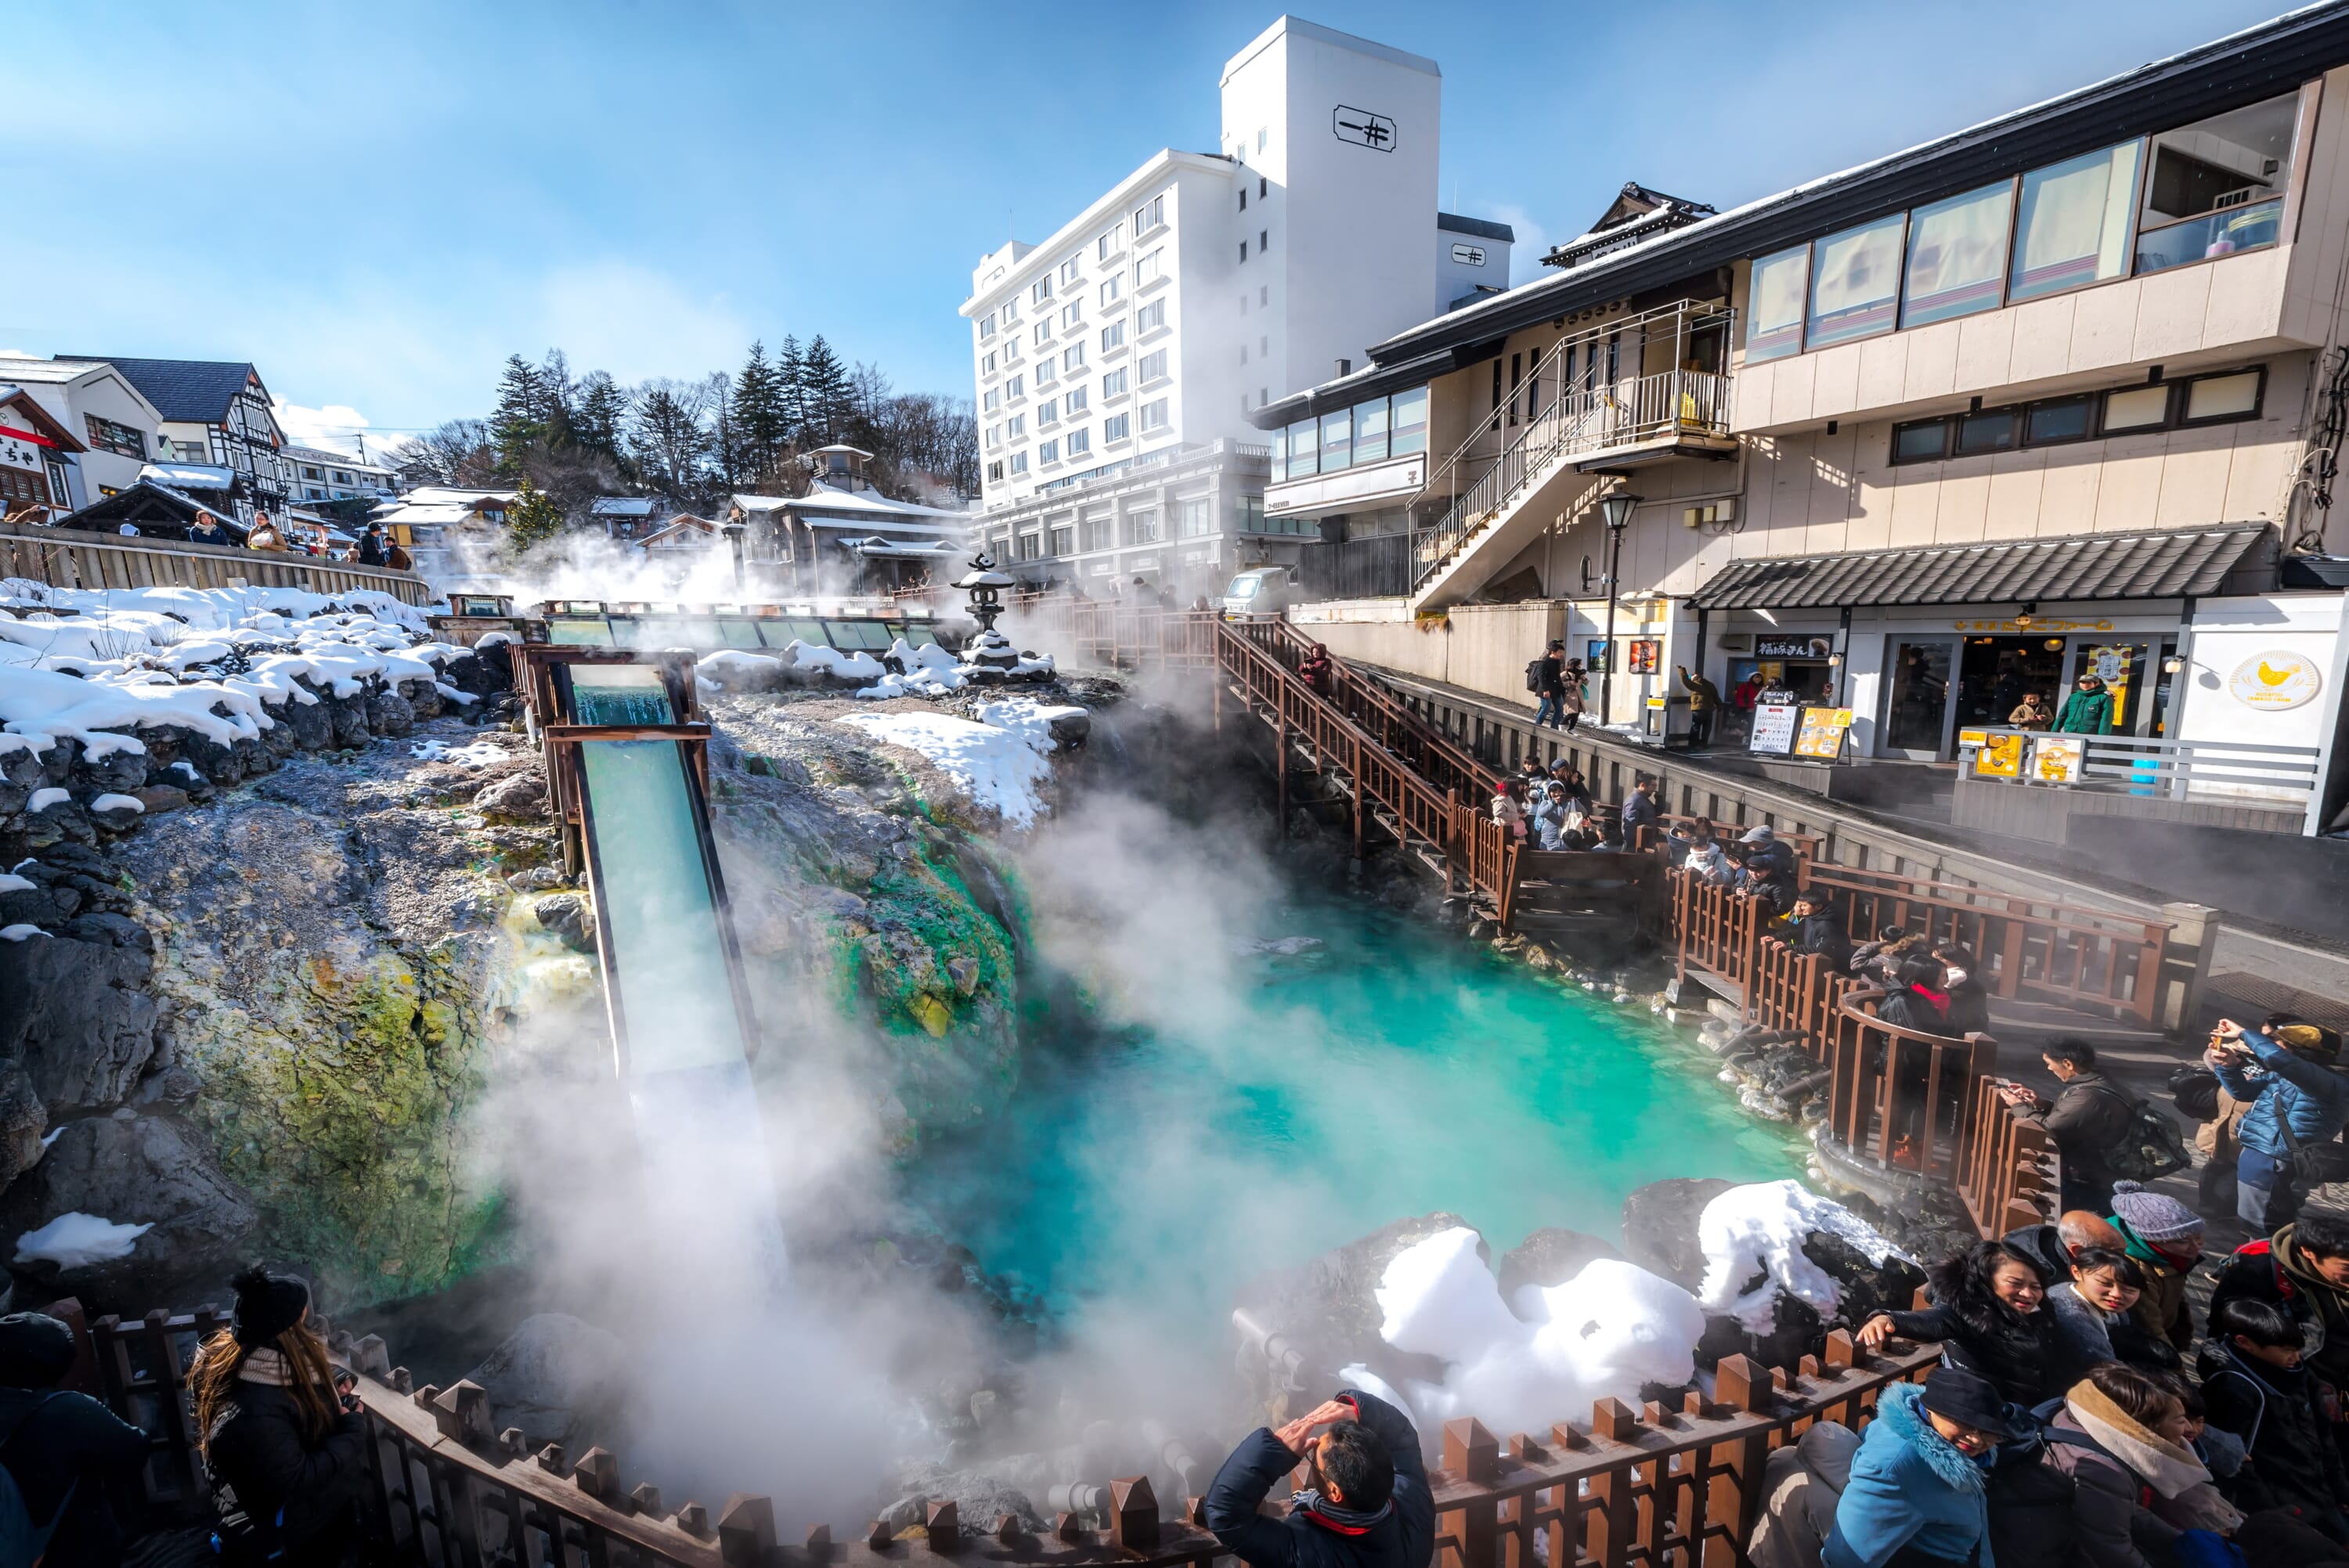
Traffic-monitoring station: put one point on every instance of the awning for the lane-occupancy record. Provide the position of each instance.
(2171, 564)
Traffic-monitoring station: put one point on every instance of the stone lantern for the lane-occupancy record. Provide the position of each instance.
(990, 658)
(985, 585)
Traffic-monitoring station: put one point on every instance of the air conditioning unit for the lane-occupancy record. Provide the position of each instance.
(1713, 517)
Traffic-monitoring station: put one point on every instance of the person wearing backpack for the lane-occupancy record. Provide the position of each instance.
(2088, 1122)
(2254, 1386)
(2299, 1105)
(60, 1452)
(1546, 676)
(2304, 1268)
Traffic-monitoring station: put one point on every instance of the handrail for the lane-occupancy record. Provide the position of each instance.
(75, 558)
(1623, 1485)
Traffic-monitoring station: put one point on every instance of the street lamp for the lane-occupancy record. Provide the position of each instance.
(1617, 511)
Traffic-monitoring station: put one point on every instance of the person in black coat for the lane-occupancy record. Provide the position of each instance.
(1969, 1001)
(1817, 925)
(1369, 1506)
(1918, 1000)
(61, 1448)
(208, 531)
(2254, 1386)
(371, 545)
(285, 1450)
(1989, 1315)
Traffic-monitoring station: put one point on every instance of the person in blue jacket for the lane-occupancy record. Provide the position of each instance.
(1369, 1506)
(2298, 1100)
(1918, 1497)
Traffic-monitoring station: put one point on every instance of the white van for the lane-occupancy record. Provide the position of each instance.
(1260, 591)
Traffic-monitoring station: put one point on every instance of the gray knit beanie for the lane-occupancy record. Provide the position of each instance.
(2153, 1216)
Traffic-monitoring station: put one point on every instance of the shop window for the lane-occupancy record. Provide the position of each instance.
(1992, 430)
(1921, 442)
(1408, 419)
(1855, 282)
(1957, 255)
(2072, 225)
(2216, 187)
(2065, 419)
(2212, 398)
(1780, 285)
(2136, 408)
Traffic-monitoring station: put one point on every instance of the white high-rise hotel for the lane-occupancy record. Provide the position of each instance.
(1116, 361)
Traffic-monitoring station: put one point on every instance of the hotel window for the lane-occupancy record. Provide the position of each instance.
(1263, 240)
(1069, 271)
(2135, 408)
(1041, 290)
(1112, 289)
(992, 399)
(1151, 317)
(1142, 527)
(1113, 384)
(1152, 367)
(1774, 329)
(1080, 442)
(1150, 215)
(987, 326)
(1194, 519)
(2216, 187)
(1030, 545)
(1113, 336)
(1155, 416)
(1075, 400)
(1011, 350)
(1042, 334)
(1048, 451)
(1064, 539)
(1072, 358)
(995, 472)
(1072, 316)
(2072, 224)
(1115, 427)
(1149, 269)
(1855, 282)
(1107, 245)
(1244, 252)
(1019, 462)
(1016, 388)
(1100, 533)
(1044, 373)
(994, 437)
(1242, 198)
(1263, 134)
(987, 365)
(1010, 311)
(1016, 427)
(1047, 412)
(1957, 255)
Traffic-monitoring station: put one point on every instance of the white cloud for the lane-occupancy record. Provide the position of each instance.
(334, 428)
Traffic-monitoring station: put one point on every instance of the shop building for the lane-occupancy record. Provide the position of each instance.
(2045, 396)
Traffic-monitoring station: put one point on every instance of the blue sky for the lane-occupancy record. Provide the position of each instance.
(376, 204)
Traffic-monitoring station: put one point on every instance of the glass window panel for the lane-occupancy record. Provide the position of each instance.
(1371, 431)
(2233, 159)
(2220, 234)
(1957, 255)
(1336, 441)
(1993, 430)
(1409, 419)
(2065, 421)
(1855, 282)
(2138, 408)
(2223, 396)
(1304, 449)
(1280, 450)
(1774, 328)
(582, 633)
(2073, 225)
(1921, 441)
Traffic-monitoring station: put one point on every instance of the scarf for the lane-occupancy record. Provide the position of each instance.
(1941, 1002)
(2162, 1465)
(266, 1365)
(1330, 1516)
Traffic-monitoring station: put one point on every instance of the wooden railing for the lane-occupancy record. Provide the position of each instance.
(1677, 1484)
(69, 558)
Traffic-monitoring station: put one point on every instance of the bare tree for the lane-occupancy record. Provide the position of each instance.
(459, 452)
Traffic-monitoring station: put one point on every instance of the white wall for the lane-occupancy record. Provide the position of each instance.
(2280, 629)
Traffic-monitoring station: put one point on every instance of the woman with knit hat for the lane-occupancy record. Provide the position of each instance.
(284, 1452)
(2164, 1237)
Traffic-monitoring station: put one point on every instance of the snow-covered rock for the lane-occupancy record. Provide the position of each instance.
(76, 1240)
(1755, 1238)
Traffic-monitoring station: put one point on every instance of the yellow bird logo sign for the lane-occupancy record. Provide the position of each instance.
(2274, 680)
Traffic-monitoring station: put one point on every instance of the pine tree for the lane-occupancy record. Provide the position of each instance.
(824, 381)
(791, 391)
(727, 447)
(520, 416)
(533, 517)
(600, 420)
(759, 413)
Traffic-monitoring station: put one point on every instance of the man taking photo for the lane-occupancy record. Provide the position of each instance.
(1367, 1506)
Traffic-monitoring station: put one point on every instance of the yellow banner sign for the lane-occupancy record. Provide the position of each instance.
(1999, 757)
(1822, 733)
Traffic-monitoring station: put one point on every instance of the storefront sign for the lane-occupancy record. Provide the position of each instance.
(1998, 756)
(1647, 655)
(1773, 729)
(2058, 759)
(2033, 627)
(1822, 733)
(1793, 648)
(2274, 680)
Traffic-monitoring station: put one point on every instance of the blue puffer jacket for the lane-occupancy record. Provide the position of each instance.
(2312, 1101)
(1912, 1493)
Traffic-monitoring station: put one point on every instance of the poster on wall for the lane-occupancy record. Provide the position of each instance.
(1647, 655)
(2058, 759)
(1999, 757)
(1594, 657)
(1773, 729)
(1822, 733)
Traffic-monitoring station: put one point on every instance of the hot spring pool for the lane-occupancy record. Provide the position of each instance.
(1150, 1171)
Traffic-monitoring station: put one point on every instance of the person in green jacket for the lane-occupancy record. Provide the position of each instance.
(2089, 710)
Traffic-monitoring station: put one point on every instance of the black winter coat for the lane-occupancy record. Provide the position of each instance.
(272, 1486)
(71, 1443)
(1823, 934)
(2293, 1459)
(1405, 1538)
(2023, 1356)
(2031, 1522)
(1911, 1009)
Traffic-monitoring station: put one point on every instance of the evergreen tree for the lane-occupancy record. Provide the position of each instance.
(759, 413)
(533, 517)
(791, 391)
(825, 385)
(668, 439)
(600, 422)
(520, 416)
(728, 449)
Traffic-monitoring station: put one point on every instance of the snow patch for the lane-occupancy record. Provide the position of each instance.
(119, 803)
(480, 754)
(11, 883)
(20, 931)
(46, 797)
(996, 767)
(76, 1240)
(1759, 1229)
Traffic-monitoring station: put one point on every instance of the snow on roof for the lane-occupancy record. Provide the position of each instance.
(762, 503)
(869, 525)
(842, 446)
(460, 493)
(412, 513)
(622, 506)
(824, 498)
(190, 476)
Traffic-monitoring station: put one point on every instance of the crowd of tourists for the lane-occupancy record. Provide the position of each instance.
(1551, 808)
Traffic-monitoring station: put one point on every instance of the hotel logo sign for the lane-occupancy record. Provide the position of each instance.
(1363, 129)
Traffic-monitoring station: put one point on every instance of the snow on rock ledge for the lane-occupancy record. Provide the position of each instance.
(76, 1241)
(1754, 1238)
(999, 762)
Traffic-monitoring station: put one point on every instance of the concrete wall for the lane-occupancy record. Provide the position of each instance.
(1482, 647)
